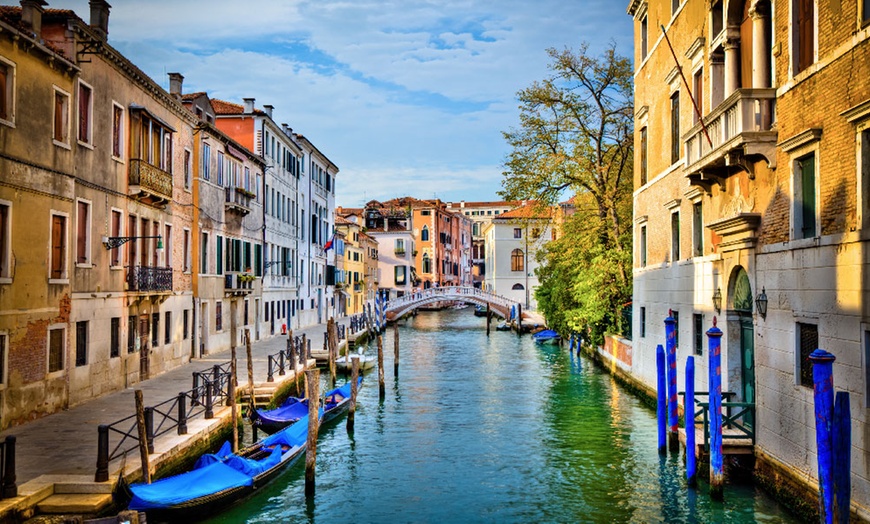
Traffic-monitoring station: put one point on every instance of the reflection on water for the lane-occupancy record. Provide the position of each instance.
(494, 429)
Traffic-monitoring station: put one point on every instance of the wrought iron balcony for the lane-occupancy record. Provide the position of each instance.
(239, 283)
(149, 183)
(149, 279)
(238, 200)
(739, 127)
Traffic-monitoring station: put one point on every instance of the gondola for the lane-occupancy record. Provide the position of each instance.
(293, 409)
(503, 326)
(480, 311)
(220, 479)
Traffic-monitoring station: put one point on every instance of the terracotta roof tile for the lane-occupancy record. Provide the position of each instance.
(193, 96)
(530, 210)
(222, 107)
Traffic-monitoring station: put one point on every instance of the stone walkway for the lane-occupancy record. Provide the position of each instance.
(65, 443)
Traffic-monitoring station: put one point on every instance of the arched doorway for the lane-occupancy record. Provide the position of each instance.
(743, 335)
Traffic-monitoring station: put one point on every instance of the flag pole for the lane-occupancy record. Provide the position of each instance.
(688, 89)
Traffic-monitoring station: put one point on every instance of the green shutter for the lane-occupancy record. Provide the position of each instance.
(258, 260)
(220, 257)
(808, 196)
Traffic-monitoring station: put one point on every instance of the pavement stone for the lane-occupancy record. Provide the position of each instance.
(65, 443)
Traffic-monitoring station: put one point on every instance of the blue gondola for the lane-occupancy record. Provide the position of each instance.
(546, 336)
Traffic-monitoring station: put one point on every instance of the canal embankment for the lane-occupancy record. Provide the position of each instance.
(57, 455)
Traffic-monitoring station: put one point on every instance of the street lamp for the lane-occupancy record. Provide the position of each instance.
(717, 300)
(761, 303)
(113, 242)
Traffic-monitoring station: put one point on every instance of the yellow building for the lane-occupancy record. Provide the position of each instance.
(354, 265)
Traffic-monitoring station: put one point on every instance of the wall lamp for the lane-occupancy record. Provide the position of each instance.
(717, 300)
(761, 303)
(113, 242)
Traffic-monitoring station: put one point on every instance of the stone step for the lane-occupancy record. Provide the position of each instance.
(80, 503)
(82, 488)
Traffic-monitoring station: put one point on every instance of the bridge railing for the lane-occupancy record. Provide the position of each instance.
(446, 293)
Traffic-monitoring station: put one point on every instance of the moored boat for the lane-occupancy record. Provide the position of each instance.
(503, 326)
(294, 408)
(546, 336)
(480, 311)
(366, 362)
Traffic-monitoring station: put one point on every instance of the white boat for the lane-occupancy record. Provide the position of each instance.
(366, 362)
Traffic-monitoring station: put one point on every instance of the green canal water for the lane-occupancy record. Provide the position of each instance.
(496, 429)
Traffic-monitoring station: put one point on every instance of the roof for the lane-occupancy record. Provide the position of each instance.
(12, 16)
(470, 205)
(341, 221)
(222, 107)
(530, 210)
(193, 96)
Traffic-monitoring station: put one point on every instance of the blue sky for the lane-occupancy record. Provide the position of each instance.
(406, 97)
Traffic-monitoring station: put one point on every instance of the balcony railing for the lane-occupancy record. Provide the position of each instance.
(149, 183)
(400, 251)
(238, 200)
(142, 278)
(741, 121)
(239, 283)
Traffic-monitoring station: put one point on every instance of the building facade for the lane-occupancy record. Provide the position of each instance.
(480, 214)
(749, 201)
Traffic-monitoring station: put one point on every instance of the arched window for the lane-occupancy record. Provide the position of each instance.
(517, 261)
(424, 235)
(427, 263)
(518, 287)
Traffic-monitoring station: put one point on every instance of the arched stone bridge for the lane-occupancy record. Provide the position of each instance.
(399, 307)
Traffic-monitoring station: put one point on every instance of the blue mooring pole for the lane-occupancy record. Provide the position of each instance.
(689, 418)
(842, 435)
(717, 474)
(673, 415)
(823, 399)
(662, 410)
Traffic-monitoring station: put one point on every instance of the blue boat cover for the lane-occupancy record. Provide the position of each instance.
(290, 411)
(210, 458)
(251, 467)
(168, 492)
(295, 435)
(547, 333)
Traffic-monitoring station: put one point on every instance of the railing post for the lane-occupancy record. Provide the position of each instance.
(281, 363)
(209, 401)
(270, 375)
(102, 474)
(194, 399)
(216, 382)
(717, 474)
(182, 414)
(823, 397)
(689, 418)
(149, 428)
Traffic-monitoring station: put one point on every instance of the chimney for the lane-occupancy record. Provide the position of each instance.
(31, 14)
(249, 105)
(268, 108)
(100, 17)
(176, 80)
(286, 129)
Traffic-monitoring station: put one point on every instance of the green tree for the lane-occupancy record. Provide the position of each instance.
(575, 137)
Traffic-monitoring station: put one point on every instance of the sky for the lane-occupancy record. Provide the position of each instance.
(406, 97)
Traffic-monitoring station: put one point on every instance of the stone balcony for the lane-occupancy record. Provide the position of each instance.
(238, 200)
(145, 279)
(149, 184)
(236, 283)
(740, 129)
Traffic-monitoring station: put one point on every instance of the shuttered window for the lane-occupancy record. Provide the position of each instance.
(55, 349)
(5, 239)
(81, 343)
(61, 112)
(85, 101)
(82, 237)
(115, 342)
(808, 340)
(805, 34)
(5, 99)
(58, 246)
(675, 127)
(807, 172)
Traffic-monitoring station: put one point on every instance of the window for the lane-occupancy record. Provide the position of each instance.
(676, 317)
(426, 264)
(808, 341)
(400, 246)
(203, 255)
(475, 229)
(220, 168)
(55, 349)
(642, 322)
(186, 252)
(206, 159)
(188, 168)
(167, 243)
(518, 232)
(155, 329)
(517, 260)
(131, 246)
(83, 236)
(218, 316)
(5, 238)
(536, 233)
(805, 197)
(425, 212)
(60, 131)
(115, 253)
(863, 174)
(131, 334)
(642, 247)
(697, 230)
(401, 273)
(81, 343)
(865, 11)
(517, 287)
(424, 235)
(167, 327)
(675, 236)
(675, 127)
(803, 34)
(85, 112)
(7, 92)
(675, 4)
(698, 93)
(644, 30)
(185, 319)
(247, 319)
(115, 333)
(150, 140)
(643, 156)
(58, 247)
(698, 332)
(117, 131)
(4, 358)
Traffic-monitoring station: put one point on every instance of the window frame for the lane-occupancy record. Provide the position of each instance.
(187, 159)
(82, 334)
(88, 115)
(518, 260)
(795, 38)
(518, 232)
(676, 240)
(676, 140)
(4, 359)
(6, 243)
(63, 342)
(10, 92)
(65, 143)
(116, 254)
(85, 261)
(119, 133)
(63, 278)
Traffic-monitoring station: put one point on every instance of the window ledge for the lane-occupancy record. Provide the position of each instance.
(85, 145)
(10, 123)
(62, 144)
(116, 268)
(5, 280)
(86, 265)
(118, 159)
(59, 281)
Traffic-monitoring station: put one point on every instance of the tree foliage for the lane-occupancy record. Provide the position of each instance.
(575, 138)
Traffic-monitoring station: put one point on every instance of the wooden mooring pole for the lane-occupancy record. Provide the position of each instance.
(354, 379)
(823, 402)
(231, 395)
(143, 436)
(662, 394)
(717, 473)
(249, 354)
(488, 318)
(312, 379)
(396, 349)
(673, 415)
(331, 348)
(689, 423)
(381, 387)
(841, 435)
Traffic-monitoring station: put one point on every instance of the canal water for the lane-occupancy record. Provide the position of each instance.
(496, 429)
